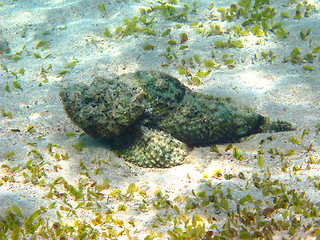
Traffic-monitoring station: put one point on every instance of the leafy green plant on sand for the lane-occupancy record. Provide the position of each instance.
(225, 205)
(245, 206)
(256, 18)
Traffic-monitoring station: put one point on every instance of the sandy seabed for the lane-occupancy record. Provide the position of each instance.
(74, 31)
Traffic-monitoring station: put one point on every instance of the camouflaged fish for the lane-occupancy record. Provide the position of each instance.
(151, 119)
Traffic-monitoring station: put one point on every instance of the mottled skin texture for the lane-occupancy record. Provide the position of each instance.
(148, 147)
(150, 118)
(105, 108)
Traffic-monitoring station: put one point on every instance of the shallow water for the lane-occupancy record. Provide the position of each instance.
(61, 32)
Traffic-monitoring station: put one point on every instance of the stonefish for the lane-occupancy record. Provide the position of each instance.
(151, 119)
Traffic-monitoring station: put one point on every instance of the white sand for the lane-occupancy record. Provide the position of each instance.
(277, 90)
